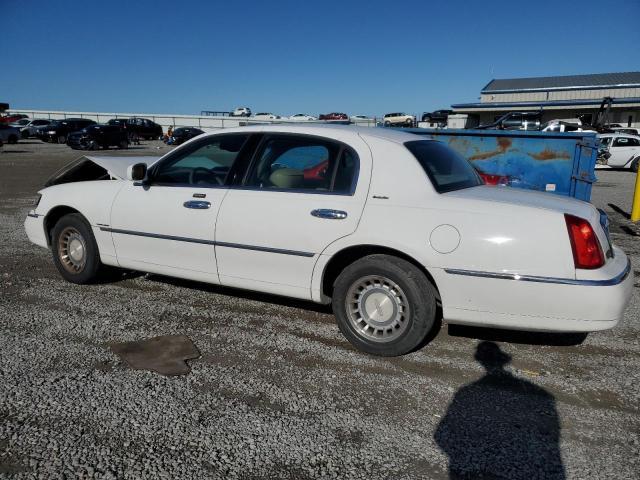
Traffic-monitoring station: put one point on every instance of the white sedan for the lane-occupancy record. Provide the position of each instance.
(624, 150)
(302, 117)
(390, 228)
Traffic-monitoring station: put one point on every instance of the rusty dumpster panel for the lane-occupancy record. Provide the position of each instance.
(562, 163)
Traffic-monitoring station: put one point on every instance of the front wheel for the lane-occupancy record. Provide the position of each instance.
(62, 139)
(635, 164)
(74, 249)
(384, 305)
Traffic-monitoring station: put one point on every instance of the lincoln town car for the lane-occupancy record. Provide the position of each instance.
(394, 231)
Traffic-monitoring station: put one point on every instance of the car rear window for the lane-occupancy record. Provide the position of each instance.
(446, 169)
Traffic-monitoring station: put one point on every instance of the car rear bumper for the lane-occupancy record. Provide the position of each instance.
(537, 303)
(34, 227)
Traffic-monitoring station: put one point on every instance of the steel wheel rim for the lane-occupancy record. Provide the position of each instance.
(72, 250)
(377, 309)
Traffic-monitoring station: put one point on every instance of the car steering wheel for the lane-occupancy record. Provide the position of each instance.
(193, 174)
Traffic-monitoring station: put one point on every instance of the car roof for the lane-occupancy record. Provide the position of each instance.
(391, 135)
(618, 134)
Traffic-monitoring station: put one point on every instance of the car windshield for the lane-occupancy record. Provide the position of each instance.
(446, 169)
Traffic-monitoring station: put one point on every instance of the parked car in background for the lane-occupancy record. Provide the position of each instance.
(30, 129)
(9, 134)
(333, 116)
(58, 130)
(399, 119)
(514, 121)
(627, 130)
(241, 112)
(624, 150)
(393, 245)
(266, 116)
(20, 123)
(12, 117)
(302, 116)
(138, 128)
(439, 116)
(182, 134)
(98, 136)
(565, 125)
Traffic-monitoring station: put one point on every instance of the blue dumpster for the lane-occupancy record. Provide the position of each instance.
(561, 163)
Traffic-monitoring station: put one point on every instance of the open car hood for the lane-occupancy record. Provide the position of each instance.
(117, 166)
(91, 167)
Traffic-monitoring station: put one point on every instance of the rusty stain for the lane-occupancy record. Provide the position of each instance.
(503, 145)
(548, 154)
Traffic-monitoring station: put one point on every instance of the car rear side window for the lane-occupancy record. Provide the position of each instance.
(304, 163)
(446, 169)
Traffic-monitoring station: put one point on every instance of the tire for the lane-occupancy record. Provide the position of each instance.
(72, 238)
(409, 123)
(634, 165)
(24, 134)
(123, 144)
(12, 139)
(94, 146)
(384, 305)
(387, 124)
(62, 139)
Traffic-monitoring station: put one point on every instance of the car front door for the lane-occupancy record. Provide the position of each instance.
(300, 194)
(167, 224)
(623, 150)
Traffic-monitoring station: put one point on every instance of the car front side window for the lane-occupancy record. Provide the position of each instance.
(204, 164)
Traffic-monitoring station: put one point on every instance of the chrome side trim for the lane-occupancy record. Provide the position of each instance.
(532, 278)
(157, 235)
(265, 249)
(33, 215)
(209, 242)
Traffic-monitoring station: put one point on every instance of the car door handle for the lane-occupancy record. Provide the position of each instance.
(197, 204)
(328, 213)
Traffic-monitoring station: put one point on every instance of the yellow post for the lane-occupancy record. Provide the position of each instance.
(635, 210)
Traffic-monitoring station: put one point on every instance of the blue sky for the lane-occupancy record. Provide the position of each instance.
(358, 57)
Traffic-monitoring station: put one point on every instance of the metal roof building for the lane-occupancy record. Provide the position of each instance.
(560, 97)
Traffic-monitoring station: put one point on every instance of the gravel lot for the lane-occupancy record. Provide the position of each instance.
(278, 392)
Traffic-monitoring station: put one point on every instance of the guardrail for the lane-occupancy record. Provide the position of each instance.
(204, 122)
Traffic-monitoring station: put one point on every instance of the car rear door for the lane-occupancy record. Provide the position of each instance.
(168, 225)
(300, 194)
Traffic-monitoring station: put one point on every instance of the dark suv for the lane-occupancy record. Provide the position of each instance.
(58, 131)
(138, 127)
(182, 134)
(98, 136)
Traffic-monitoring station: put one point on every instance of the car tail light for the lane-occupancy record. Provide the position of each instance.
(489, 179)
(587, 252)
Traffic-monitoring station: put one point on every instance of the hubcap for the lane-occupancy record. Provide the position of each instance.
(377, 309)
(72, 250)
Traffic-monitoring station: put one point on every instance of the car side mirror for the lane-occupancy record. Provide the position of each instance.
(137, 172)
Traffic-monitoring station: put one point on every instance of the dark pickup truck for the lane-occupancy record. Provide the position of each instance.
(138, 127)
(98, 136)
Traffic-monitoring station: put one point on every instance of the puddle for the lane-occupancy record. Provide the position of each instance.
(167, 354)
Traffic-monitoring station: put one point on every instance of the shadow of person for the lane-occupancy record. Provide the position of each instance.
(501, 427)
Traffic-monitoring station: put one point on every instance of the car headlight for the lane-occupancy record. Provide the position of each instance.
(51, 132)
(37, 201)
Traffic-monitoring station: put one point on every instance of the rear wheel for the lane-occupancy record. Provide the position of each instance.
(635, 164)
(384, 305)
(12, 139)
(123, 144)
(62, 139)
(74, 249)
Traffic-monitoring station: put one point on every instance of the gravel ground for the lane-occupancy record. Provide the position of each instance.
(278, 392)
